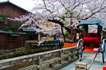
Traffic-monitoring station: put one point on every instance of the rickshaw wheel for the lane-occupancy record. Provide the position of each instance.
(103, 58)
(103, 54)
(80, 47)
(103, 51)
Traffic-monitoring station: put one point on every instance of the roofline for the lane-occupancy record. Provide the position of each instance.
(15, 6)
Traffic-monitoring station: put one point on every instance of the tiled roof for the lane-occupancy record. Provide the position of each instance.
(8, 2)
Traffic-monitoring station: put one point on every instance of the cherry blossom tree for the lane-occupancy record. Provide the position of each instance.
(32, 22)
(66, 13)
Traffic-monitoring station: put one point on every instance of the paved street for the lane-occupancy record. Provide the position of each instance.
(97, 65)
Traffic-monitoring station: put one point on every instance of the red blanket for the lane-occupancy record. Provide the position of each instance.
(93, 40)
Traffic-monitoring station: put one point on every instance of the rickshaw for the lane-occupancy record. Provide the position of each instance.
(91, 38)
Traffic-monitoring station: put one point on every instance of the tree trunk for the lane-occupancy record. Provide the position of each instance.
(60, 23)
(63, 33)
(62, 26)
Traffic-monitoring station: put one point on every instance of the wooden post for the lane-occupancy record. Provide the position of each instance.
(39, 37)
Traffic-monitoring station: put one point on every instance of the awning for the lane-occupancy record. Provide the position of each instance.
(28, 29)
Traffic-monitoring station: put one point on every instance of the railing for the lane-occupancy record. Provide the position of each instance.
(50, 60)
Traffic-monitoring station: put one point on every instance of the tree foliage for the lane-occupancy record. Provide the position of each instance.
(66, 13)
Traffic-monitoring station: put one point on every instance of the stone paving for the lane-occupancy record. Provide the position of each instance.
(87, 58)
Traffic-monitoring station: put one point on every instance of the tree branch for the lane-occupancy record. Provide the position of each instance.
(60, 23)
(64, 6)
(46, 6)
(79, 3)
(93, 13)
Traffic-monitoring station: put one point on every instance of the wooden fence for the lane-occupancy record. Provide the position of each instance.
(50, 60)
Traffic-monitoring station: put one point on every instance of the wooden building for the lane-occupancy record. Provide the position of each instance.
(9, 38)
(11, 10)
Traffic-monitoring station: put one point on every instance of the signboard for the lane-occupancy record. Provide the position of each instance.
(92, 28)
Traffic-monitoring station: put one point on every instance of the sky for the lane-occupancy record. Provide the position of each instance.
(26, 4)
(30, 4)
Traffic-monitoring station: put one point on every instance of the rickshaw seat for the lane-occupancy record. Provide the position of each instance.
(90, 35)
(92, 38)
